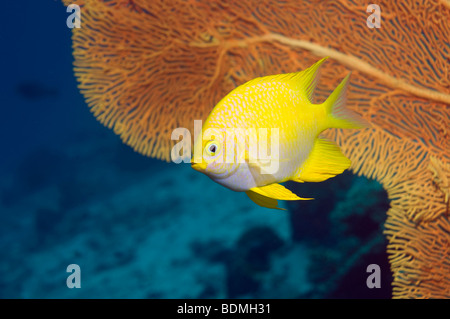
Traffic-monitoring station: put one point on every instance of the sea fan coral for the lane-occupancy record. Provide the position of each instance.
(146, 67)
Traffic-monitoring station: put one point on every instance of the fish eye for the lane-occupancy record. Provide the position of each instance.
(212, 148)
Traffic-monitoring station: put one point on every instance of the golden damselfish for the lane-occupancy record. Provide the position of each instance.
(280, 106)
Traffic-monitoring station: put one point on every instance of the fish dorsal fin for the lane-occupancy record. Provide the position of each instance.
(263, 200)
(325, 161)
(304, 81)
(307, 79)
(277, 191)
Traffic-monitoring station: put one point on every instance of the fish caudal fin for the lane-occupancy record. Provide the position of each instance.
(325, 161)
(267, 196)
(338, 115)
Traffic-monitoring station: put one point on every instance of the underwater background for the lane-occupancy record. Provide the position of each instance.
(72, 193)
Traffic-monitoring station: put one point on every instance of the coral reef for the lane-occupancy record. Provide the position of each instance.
(147, 67)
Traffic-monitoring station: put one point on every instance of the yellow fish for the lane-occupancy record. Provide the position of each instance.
(275, 110)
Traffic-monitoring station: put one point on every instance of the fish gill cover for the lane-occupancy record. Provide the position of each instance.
(146, 67)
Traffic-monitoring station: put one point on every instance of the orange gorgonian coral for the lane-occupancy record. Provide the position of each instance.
(146, 67)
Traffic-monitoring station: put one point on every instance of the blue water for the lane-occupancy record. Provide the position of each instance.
(36, 52)
(72, 193)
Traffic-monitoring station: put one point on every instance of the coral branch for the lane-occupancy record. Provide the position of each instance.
(146, 67)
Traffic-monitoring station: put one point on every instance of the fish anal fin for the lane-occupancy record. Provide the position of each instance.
(325, 161)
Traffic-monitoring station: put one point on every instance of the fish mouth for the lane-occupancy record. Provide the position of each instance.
(199, 166)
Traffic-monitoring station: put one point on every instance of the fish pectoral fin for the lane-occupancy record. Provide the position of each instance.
(277, 191)
(263, 200)
(266, 167)
(325, 161)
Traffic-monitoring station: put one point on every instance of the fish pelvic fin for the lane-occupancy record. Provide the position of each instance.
(267, 196)
(338, 115)
(263, 201)
(277, 191)
(325, 161)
